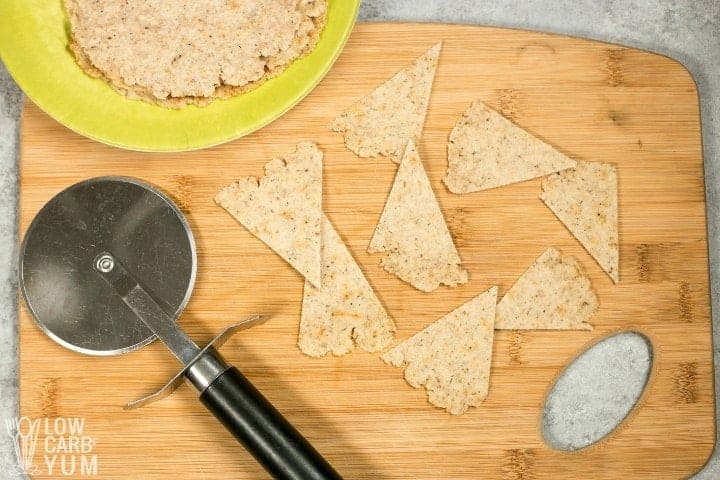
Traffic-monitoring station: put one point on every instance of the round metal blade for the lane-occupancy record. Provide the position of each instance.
(135, 222)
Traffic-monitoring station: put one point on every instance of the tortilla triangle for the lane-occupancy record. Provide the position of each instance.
(344, 312)
(412, 230)
(552, 294)
(585, 199)
(384, 121)
(486, 150)
(451, 357)
(284, 208)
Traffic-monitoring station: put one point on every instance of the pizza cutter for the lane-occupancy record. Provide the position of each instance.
(106, 267)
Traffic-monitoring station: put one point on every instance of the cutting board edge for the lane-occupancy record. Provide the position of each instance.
(23, 130)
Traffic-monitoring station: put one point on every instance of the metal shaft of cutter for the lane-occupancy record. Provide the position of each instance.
(146, 308)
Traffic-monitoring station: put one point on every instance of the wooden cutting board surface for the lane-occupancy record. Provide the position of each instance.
(593, 101)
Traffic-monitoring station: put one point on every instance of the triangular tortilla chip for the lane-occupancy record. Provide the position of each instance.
(585, 199)
(451, 357)
(413, 231)
(551, 295)
(383, 122)
(345, 312)
(486, 150)
(284, 208)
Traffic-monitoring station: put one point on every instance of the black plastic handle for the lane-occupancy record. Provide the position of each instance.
(264, 432)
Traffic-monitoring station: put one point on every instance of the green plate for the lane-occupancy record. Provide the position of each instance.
(34, 47)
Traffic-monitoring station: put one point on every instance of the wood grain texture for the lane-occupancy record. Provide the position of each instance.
(593, 101)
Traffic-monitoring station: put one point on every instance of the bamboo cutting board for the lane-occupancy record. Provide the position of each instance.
(591, 100)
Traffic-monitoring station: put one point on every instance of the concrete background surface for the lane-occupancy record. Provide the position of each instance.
(686, 30)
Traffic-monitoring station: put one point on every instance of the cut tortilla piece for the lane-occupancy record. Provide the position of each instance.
(284, 208)
(551, 295)
(345, 312)
(412, 230)
(585, 199)
(486, 150)
(451, 357)
(384, 121)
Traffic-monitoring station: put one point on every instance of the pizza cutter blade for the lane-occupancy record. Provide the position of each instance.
(106, 267)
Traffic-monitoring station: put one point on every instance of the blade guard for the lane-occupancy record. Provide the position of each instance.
(216, 342)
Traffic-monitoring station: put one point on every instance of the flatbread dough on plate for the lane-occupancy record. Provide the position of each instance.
(173, 52)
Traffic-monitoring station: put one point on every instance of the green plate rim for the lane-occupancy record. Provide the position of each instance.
(31, 76)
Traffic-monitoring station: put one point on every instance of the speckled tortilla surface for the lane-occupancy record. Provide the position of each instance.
(343, 313)
(284, 208)
(486, 150)
(413, 233)
(552, 294)
(451, 357)
(585, 199)
(383, 122)
(174, 52)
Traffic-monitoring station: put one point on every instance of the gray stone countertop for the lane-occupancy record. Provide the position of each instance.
(686, 30)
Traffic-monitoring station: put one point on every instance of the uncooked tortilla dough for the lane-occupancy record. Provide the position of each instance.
(174, 52)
